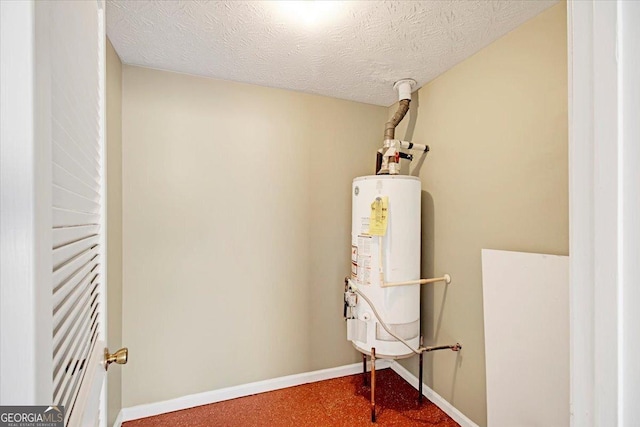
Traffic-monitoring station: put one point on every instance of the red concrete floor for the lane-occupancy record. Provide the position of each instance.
(340, 402)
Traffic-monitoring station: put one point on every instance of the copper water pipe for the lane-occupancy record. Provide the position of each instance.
(373, 385)
(364, 369)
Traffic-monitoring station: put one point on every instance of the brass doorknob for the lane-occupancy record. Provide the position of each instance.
(120, 357)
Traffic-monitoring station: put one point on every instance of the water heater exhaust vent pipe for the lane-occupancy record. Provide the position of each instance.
(388, 157)
(404, 97)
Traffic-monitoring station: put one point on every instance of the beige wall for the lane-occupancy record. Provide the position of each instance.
(496, 177)
(236, 210)
(114, 225)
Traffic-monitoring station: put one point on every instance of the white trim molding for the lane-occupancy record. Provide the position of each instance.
(629, 158)
(434, 397)
(119, 419)
(193, 400)
(17, 176)
(25, 210)
(604, 188)
(199, 399)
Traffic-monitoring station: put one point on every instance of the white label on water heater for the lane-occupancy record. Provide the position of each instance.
(364, 225)
(354, 261)
(363, 275)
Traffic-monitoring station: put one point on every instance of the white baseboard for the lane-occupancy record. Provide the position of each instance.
(192, 400)
(118, 422)
(434, 397)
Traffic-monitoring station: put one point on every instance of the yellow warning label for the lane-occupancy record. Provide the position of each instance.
(379, 213)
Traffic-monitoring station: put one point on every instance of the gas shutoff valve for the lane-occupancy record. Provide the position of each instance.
(390, 155)
(350, 299)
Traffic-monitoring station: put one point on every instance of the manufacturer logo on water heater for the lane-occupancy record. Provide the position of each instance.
(356, 191)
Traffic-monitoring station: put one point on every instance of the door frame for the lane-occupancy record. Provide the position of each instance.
(25, 205)
(25, 216)
(604, 199)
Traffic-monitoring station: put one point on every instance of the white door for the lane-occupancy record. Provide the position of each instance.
(52, 328)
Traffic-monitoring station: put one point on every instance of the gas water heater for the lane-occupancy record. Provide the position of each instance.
(388, 254)
(382, 293)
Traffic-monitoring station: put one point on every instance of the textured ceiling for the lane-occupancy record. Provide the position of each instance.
(352, 50)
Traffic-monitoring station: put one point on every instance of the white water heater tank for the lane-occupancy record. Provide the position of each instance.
(392, 257)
